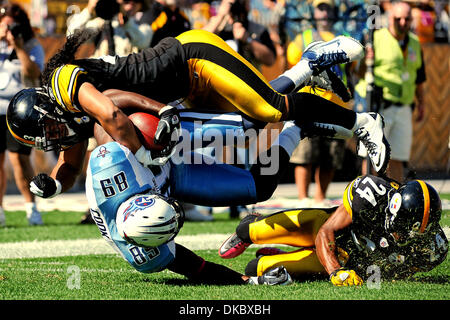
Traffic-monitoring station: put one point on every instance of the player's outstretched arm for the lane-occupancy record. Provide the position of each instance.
(64, 174)
(130, 102)
(326, 249)
(110, 117)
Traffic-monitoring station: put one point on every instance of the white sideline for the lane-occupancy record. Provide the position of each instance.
(79, 247)
(60, 248)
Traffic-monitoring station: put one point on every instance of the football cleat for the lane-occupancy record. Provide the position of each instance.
(322, 55)
(268, 251)
(275, 276)
(232, 247)
(34, 218)
(371, 138)
(318, 129)
(2, 218)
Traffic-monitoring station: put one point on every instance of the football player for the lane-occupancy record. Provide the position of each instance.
(200, 68)
(40, 127)
(381, 226)
(134, 215)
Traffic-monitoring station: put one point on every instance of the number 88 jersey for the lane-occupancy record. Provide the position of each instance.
(366, 199)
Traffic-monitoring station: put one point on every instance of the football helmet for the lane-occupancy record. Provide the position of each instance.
(149, 220)
(412, 210)
(35, 121)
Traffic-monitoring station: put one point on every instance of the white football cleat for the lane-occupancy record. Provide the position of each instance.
(369, 131)
(275, 276)
(322, 55)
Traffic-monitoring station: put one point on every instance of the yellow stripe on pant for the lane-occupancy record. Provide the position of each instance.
(296, 228)
(222, 79)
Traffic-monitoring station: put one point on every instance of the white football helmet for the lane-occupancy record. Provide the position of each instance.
(149, 220)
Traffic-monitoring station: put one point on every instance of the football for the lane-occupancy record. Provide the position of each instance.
(146, 125)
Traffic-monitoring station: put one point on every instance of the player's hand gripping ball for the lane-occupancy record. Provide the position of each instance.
(146, 125)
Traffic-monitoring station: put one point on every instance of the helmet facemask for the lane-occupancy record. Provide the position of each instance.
(35, 121)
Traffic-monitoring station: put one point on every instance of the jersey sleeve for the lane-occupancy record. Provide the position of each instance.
(65, 82)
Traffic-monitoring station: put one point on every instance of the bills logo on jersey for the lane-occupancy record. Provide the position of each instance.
(395, 203)
(137, 204)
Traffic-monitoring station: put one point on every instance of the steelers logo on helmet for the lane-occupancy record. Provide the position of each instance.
(34, 121)
(412, 211)
(148, 220)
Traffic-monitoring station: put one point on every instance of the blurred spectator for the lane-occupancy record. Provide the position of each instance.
(325, 155)
(351, 18)
(442, 25)
(123, 26)
(199, 13)
(424, 19)
(168, 20)
(399, 75)
(249, 39)
(298, 16)
(21, 63)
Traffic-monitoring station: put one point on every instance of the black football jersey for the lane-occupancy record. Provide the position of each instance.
(366, 247)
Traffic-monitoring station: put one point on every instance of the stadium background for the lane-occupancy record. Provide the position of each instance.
(430, 157)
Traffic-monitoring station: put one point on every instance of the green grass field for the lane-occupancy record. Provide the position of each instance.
(32, 273)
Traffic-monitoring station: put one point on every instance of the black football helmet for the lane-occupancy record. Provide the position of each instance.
(412, 211)
(35, 121)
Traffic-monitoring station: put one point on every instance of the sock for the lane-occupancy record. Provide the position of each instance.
(306, 107)
(252, 268)
(271, 165)
(29, 207)
(289, 137)
(299, 73)
(243, 229)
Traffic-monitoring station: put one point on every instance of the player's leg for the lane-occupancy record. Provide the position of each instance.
(219, 184)
(219, 72)
(219, 69)
(196, 268)
(298, 263)
(296, 227)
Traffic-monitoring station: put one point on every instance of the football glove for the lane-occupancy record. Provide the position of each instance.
(169, 123)
(344, 277)
(45, 186)
(145, 157)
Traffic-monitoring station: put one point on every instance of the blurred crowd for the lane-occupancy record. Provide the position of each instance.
(271, 34)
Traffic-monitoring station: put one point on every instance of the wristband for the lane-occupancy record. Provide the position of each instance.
(58, 187)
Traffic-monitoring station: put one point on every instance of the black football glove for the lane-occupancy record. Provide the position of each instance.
(169, 122)
(45, 186)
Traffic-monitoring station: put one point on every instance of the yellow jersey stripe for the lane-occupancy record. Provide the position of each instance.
(348, 199)
(426, 205)
(55, 88)
(64, 84)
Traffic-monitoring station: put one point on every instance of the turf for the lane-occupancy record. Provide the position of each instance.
(109, 277)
